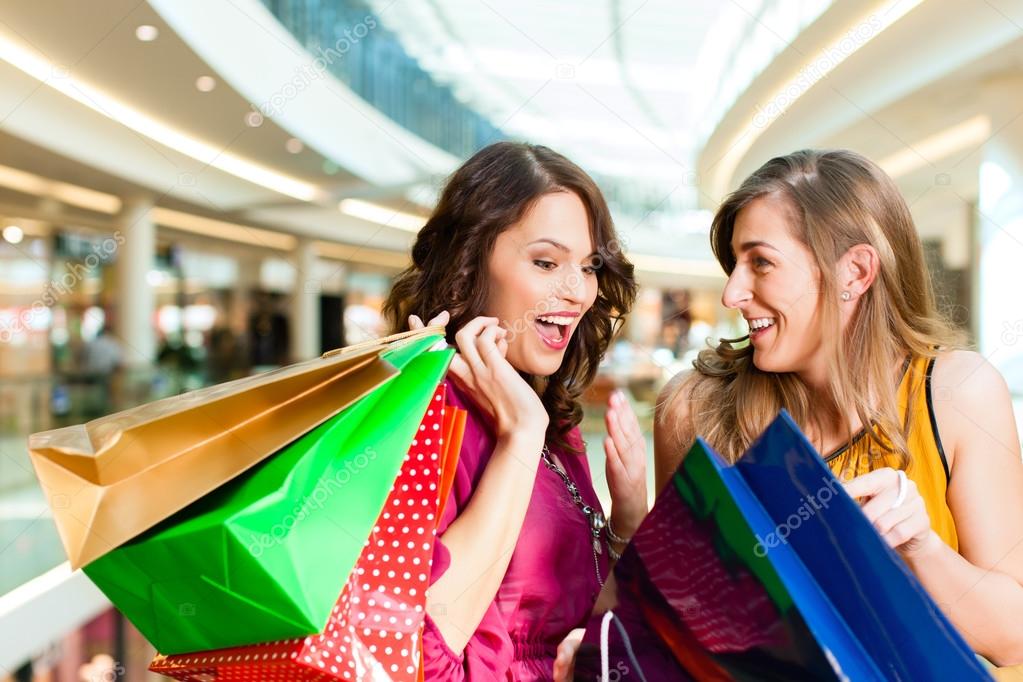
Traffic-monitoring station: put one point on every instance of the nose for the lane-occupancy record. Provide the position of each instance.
(572, 287)
(737, 291)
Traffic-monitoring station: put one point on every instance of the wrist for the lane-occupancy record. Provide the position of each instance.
(523, 439)
(925, 550)
(617, 535)
(626, 522)
(523, 426)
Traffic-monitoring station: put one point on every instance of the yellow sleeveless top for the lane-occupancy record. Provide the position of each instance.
(928, 467)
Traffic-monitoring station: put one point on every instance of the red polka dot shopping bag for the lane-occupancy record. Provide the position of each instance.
(375, 628)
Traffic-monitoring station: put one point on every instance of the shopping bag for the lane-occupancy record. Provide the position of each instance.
(375, 628)
(261, 558)
(767, 570)
(110, 479)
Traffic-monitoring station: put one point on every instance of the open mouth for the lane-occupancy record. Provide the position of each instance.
(760, 326)
(554, 330)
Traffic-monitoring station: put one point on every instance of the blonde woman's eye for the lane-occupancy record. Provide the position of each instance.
(544, 264)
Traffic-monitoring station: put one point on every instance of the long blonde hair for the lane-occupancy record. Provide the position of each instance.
(837, 199)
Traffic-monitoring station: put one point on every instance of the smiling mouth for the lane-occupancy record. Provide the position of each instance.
(554, 329)
(760, 325)
(554, 333)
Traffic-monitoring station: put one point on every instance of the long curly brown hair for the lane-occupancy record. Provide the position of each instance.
(489, 193)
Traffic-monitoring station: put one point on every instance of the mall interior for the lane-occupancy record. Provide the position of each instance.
(192, 191)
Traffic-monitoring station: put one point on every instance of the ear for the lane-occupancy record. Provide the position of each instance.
(858, 268)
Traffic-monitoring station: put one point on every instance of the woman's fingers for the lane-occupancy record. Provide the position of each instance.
(441, 320)
(905, 527)
(486, 344)
(871, 483)
(465, 339)
(614, 460)
(564, 661)
(416, 322)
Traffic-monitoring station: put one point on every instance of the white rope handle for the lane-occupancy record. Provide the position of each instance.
(605, 625)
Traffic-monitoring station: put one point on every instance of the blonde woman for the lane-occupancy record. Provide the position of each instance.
(825, 265)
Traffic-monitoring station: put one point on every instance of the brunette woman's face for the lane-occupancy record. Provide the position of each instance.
(542, 281)
(774, 285)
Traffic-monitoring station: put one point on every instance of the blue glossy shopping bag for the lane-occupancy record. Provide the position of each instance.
(767, 570)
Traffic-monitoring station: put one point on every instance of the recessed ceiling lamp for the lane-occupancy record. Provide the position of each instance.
(13, 234)
(205, 83)
(147, 33)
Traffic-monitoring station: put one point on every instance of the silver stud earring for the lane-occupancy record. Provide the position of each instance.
(846, 295)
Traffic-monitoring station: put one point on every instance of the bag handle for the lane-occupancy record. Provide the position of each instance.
(605, 652)
(400, 336)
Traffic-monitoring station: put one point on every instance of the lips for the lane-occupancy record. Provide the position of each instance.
(760, 326)
(555, 329)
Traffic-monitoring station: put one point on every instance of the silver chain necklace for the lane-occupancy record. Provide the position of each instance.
(594, 517)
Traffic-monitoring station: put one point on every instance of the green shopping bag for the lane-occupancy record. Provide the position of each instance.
(264, 556)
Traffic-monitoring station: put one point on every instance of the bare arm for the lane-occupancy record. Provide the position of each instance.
(981, 589)
(482, 538)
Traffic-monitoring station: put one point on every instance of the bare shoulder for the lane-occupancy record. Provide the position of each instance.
(971, 404)
(672, 425)
(672, 401)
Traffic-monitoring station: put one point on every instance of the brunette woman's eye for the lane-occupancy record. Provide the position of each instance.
(761, 263)
(545, 264)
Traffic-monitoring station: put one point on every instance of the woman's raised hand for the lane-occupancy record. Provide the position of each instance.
(625, 448)
(481, 368)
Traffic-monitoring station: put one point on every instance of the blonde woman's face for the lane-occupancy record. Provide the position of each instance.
(542, 281)
(775, 287)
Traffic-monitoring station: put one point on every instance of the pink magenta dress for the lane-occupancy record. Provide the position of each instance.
(551, 583)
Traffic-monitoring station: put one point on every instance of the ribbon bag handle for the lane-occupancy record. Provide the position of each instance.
(400, 336)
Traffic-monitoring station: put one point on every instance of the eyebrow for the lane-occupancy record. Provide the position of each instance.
(556, 244)
(746, 246)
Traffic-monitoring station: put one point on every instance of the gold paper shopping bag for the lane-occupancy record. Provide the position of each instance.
(119, 475)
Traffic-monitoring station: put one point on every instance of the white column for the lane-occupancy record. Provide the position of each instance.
(134, 325)
(998, 311)
(305, 321)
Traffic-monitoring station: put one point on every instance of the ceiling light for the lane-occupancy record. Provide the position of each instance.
(205, 153)
(205, 83)
(82, 197)
(966, 135)
(294, 145)
(147, 33)
(13, 234)
(253, 119)
(220, 229)
(882, 16)
(382, 215)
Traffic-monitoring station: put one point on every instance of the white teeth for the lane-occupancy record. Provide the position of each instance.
(551, 319)
(761, 322)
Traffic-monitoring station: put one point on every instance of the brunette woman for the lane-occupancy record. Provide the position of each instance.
(520, 260)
